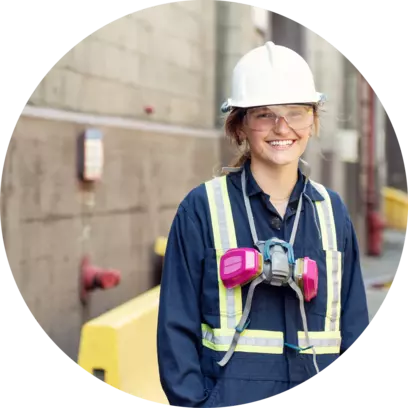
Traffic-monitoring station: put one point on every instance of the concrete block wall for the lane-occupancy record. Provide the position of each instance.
(47, 228)
(162, 56)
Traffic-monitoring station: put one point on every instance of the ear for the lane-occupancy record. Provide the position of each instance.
(241, 135)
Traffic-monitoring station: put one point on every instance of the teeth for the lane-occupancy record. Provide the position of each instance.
(281, 142)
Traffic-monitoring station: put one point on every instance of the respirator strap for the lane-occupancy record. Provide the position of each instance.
(242, 325)
(251, 216)
(296, 288)
(262, 247)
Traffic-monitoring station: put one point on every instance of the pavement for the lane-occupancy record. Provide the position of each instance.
(378, 272)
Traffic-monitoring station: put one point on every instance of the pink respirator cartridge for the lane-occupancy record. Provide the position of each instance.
(240, 266)
(306, 277)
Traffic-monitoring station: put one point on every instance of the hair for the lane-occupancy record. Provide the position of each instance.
(234, 123)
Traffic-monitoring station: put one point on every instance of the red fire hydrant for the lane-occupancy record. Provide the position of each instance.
(93, 277)
(376, 227)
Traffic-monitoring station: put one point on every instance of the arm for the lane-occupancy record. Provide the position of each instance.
(354, 318)
(179, 324)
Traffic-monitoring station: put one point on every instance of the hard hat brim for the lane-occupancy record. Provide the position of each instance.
(318, 99)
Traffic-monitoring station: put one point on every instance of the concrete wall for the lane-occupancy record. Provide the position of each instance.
(162, 56)
(44, 217)
(165, 57)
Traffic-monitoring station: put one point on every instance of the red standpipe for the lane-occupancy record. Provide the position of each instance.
(93, 278)
(375, 222)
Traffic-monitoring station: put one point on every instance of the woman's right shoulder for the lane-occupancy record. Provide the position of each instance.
(196, 200)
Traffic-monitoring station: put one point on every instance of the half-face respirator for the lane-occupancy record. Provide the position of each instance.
(240, 266)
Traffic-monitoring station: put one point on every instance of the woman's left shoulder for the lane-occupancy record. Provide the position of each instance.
(341, 217)
(338, 204)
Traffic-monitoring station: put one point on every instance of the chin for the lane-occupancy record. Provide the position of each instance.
(282, 161)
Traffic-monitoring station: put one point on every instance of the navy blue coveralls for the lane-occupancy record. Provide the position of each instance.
(189, 372)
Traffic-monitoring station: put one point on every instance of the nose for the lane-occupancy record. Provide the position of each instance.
(281, 126)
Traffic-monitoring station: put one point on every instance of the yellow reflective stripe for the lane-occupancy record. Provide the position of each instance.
(224, 238)
(338, 303)
(333, 298)
(217, 244)
(260, 341)
(233, 244)
(333, 259)
(214, 215)
(329, 275)
(323, 228)
(326, 218)
(251, 341)
(324, 342)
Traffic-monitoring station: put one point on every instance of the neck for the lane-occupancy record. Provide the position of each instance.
(276, 181)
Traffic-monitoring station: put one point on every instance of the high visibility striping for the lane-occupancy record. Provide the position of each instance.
(323, 226)
(323, 342)
(333, 259)
(336, 284)
(224, 239)
(232, 239)
(253, 341)
(261, 341)
(328, 217)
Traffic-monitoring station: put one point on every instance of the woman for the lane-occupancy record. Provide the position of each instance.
(221, 345)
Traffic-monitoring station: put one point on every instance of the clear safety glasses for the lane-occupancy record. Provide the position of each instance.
(267, 118)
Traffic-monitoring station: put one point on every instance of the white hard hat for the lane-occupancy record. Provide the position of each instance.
(272, 75)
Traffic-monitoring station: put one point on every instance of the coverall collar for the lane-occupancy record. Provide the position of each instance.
(253, 188)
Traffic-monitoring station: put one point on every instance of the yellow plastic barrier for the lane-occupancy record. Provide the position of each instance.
(120, 347)
(160, 246)
(395, 208)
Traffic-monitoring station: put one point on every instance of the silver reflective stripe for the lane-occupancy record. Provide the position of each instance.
(243, 340)
(326, 208)
(336, 291)
(333, 261)
(321, 342)
(223, 228)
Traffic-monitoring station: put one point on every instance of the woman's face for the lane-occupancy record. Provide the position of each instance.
(278, 134)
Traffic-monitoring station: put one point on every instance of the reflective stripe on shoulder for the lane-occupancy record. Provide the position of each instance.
(224, 238)
(252, 341)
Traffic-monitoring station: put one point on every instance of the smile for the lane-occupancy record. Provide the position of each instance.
(281, 143)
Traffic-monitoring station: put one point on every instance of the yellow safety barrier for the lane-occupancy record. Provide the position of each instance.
(120, 347)
(160, 246)
(395, 208)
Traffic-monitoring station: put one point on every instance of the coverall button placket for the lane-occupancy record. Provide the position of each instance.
(290, 354)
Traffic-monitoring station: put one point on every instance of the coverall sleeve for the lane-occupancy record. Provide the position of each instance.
(179, 322)
(354, 317)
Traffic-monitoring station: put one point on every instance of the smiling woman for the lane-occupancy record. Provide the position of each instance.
(263, 225)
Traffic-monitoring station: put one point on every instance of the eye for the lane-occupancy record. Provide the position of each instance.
(296, 114)
(266, 115)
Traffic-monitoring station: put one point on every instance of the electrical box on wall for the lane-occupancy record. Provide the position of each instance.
(90, 155)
